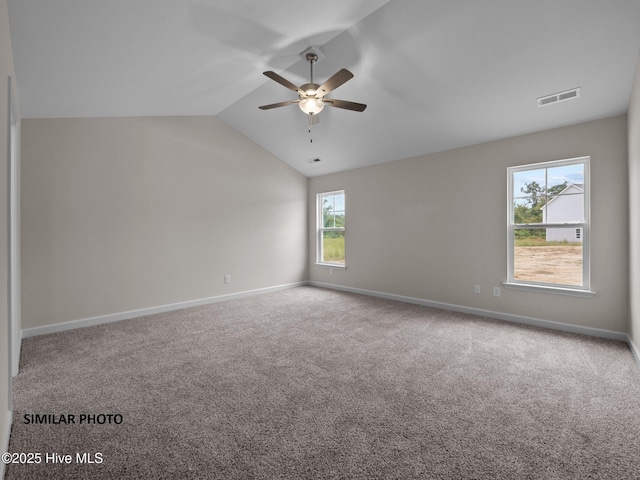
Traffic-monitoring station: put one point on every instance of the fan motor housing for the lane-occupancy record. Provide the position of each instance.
(309, 87)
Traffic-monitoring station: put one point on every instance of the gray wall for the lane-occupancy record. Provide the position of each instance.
(120, 214)
(634, 206)
(431, 227)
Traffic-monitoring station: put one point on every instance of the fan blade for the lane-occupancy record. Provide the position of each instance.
(283, 81)
(357, 107)
(334, 82)
(276, 105)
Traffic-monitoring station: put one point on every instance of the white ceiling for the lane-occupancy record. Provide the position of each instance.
(435, 74)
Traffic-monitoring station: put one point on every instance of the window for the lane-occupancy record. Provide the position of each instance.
(331, 228)
(548, 225)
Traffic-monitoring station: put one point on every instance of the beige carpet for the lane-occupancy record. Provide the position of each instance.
(316, 384)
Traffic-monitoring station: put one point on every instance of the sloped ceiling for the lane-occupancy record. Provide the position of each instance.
(435, 74)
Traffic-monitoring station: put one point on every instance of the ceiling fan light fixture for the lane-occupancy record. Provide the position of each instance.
(311, 105)
(311, 96)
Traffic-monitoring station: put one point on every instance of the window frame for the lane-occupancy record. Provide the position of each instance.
(585, 225)
(321, 229)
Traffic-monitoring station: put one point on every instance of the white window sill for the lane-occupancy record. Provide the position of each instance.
(574, 292)
(331, 265)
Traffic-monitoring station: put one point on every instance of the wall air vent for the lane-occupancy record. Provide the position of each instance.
(559, 97)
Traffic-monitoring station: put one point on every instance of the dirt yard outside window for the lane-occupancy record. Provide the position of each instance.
(549, 264)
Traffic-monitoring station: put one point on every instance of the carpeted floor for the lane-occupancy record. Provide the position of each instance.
(310, 383)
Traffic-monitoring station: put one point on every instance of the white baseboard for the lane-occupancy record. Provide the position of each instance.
(4, 440)
(116, 317)
(634, 349)
(536, 322)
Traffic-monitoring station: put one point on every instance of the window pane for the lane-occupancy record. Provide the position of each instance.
(327, 211)
(333, 247)
(552, 255)
(530, 184)
(338, 204)
(558, 178)
(333, 213)
(568, 207)
(553, 193)
(327, 219)
(338, 210)
(524, 212)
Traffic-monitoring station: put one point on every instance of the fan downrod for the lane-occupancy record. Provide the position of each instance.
(311, 58)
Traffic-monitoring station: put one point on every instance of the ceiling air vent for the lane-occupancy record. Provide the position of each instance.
(559, 97)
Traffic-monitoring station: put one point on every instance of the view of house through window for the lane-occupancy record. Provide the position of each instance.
(548, 223)
(331, 228)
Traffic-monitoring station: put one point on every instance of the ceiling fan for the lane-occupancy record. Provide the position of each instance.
(312, 96)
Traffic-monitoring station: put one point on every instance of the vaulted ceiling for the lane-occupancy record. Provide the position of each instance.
(435, 74)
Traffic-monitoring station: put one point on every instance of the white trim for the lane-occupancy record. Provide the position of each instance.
(15, 333)
(116, 317)
(536, 322)
(585, 224)
(4, 440)
(634, 349)
(549, 163)
(532, 287)
(320, 226)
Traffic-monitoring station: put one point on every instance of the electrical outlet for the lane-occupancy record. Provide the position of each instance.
(227, 279)
(496, 291)
(476, 289)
